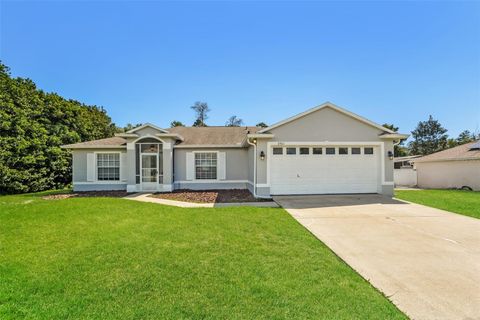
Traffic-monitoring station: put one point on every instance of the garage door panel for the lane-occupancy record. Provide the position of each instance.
(317, 174)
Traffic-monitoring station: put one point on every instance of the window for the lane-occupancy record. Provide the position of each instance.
(355, 150)
(108, 166)
(342, 150)
(368, 150)
(304, 150)
(316, 150)
(330, 150)
(291, 150)
(277, 150)
(206, 165)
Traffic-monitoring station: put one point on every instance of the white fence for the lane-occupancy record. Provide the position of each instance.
(405, 177)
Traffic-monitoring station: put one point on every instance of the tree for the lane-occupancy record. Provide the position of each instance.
(128, 127)
(176, 123)
(465, 137)
(201, 109)
(429, 137)
(234, 121)
(398, 150)
(261, 125)
(33, 126)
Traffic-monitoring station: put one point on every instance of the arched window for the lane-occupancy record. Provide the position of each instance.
(143, 148)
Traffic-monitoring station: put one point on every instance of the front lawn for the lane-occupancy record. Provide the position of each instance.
(458, 201)
(106, 258)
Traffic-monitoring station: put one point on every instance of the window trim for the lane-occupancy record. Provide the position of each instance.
(277, 154)
(291, 154)
(96, 153)
(317, 154)
(369, 154)
(343, 154)
(331, 154)
(303, 154)
(195, 166)
(359, 151)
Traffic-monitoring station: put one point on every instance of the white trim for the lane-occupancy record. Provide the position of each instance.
(100, 182)
(194, 165)
(322, 106)
(260, 135)
(213, 181)
(147, 125)
(442, 160)
(95, 147)
(380, 144)
(119, 166)
(147, 136)
(388, 183)
(262, 185)
(197, 146)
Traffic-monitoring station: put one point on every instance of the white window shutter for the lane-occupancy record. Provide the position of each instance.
(190, 162)
(123, 166)
(221, 166)
(91, 166)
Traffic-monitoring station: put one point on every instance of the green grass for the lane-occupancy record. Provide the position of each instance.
(105, 258)
(458, 201)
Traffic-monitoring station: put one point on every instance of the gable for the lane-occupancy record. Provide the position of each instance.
(147, 129)
(327, 124)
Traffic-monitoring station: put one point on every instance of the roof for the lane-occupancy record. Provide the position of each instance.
(463, 152)
(114, 142)
(213, 136)
(331, 106)
(406, 158)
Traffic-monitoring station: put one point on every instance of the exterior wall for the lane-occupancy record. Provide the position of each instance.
(236, 164)
(326, 125)
(449, 174)
(79, 173)
(405, 177)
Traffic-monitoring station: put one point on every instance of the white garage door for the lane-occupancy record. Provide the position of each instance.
(324, 169)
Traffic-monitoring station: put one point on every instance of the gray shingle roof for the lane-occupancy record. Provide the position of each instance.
(215, 136)
(463, 152)
(107, 142)
(193, 136)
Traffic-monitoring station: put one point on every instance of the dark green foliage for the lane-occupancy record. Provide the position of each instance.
(261, 125)
(128, 127)
(33, 126)
(429, 137)
(176, 123)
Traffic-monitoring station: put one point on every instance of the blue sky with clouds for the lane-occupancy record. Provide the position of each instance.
(149, 61)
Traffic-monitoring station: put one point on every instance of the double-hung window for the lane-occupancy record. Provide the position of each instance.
(108, 166)
(206, 165)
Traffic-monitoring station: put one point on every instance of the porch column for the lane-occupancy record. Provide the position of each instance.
(167, 166)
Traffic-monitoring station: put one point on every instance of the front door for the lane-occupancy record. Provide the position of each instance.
(149, 172)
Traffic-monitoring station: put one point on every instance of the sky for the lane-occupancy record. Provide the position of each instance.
(149, 61)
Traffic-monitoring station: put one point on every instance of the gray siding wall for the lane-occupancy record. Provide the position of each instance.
(236, 162)
(326, 125)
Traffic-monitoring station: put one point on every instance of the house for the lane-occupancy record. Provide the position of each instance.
(452, 168)
(324, 150)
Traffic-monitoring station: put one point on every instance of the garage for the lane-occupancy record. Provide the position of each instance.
(324, 169)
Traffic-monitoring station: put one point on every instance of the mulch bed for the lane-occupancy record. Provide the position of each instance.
(86, 194)
(209, 196)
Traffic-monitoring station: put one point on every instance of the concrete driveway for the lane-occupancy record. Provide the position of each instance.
(425, 260)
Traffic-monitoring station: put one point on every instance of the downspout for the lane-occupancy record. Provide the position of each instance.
(255, 170)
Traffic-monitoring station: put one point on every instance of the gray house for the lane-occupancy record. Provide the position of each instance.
(324, 150)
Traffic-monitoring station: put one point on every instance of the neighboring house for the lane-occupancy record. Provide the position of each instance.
(324, 150)
(403, 172)
(452, 168)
